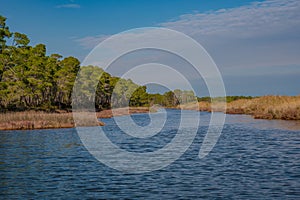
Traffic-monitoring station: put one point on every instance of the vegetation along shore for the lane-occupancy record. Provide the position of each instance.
(28, 120)
(36, 90)
(264, 107)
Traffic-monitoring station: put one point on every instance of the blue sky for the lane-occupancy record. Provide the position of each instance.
(256, 44)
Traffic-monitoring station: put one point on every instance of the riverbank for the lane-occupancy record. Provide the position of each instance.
(29, 120)
(265, 107)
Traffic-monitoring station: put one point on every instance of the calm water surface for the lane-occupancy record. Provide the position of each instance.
(253, 159)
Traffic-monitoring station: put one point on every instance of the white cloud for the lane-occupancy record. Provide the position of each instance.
(71, 5)
(90, 42)
(260, 18)
(261, 34)
(251, 39)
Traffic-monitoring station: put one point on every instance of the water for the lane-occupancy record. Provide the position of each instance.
(253, 159)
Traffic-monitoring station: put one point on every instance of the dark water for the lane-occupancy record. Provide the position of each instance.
(253, 159)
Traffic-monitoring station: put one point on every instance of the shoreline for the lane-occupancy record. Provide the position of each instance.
(31, 120)
(265, 107)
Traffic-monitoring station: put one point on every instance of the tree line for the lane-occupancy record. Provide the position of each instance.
(32, 80)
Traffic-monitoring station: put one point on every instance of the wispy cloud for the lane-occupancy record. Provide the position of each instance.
(259, 18)
(260, 34)
(90, 42)
(71, 5)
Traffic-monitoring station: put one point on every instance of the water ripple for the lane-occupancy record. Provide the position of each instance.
(247, 162)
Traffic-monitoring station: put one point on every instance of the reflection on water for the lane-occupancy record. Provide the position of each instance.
(253, 159)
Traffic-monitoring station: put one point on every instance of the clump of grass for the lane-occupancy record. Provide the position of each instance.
(87, 119)
(268, 107)
(265, 107)
(43, 120)
(205, 106)
(123, 111)
(35, 120)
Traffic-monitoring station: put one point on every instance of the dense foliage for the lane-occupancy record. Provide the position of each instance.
(30, 79)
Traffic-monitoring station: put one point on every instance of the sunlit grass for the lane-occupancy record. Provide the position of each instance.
(44, 120)
(268, 107)
(265, 107)
(35, 120)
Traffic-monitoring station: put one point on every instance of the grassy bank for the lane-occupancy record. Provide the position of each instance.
(35, 120)
(265, 107)
(42, 120)
(121, 111)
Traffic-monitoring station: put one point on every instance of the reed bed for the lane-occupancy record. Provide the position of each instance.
(265, 107)
(43, 120)
(35, 120)
(123, 111)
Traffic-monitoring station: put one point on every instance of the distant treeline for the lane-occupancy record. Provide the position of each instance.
(228, 98)
(32, 80)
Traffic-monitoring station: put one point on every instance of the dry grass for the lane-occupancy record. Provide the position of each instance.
(268, 107)
(35, 120)
(42, 120)
(204, 106)
(122, 111)
(265, 107)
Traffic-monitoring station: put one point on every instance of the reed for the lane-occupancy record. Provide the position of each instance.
(265, 107)
(268, 107)
(35, 120)
(123, 111)
(43, 120)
